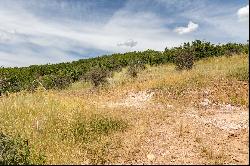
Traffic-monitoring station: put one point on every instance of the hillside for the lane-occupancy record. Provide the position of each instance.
(157, 115)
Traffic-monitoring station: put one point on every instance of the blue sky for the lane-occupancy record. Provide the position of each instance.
(53, 31)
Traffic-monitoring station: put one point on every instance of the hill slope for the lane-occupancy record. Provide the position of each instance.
(162, 116)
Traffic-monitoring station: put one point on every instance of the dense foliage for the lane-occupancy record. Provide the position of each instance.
(58, 76)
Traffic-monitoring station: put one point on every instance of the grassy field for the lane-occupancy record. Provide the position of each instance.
(154, 118)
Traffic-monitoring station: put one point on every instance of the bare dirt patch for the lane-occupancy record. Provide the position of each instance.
(137, 100)
(224, 116)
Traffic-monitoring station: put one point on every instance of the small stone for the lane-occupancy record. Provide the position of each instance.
(206, 92)
(205, 102)
(151, 157)
(228, 107)
(170, 106)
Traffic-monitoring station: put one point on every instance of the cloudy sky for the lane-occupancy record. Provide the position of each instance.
(53, 31)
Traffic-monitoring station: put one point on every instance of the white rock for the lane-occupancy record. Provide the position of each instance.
(151, 157)
(228, 107)
(170, 106)
(206, 100)
(206, 92)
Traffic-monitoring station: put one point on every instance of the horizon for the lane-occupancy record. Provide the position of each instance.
(49, 32)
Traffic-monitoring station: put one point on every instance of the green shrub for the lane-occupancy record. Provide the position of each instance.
(47, 82)
(14, 151)
(231, 49)
(184, 59)
(98, 76)
(135, 68)
(62, 81)
(17, 151)
(56, 81)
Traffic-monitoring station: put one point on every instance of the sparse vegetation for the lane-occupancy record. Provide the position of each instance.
(212, 157)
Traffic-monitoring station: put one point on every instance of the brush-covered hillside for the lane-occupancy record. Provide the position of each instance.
(186, 105)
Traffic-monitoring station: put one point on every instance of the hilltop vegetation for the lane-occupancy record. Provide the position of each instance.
(60, 76)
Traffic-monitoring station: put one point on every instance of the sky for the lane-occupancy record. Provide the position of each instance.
(54, 31)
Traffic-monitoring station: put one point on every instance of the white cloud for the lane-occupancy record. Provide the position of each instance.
(243, 13)
(220, 26)
(129, 43)
(184, 30)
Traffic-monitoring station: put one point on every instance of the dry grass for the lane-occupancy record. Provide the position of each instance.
(72, 126)
(59, 126)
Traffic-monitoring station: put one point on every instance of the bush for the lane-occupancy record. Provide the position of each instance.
(184, 59)
(14, 151)
(62, 81)
(232, 48)
(98, 76)
(135, 68)
(56, 81)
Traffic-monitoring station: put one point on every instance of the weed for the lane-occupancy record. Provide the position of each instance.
(198, 139)
(98, 155)
(213, 158)
(207, 152)
(181, 130)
